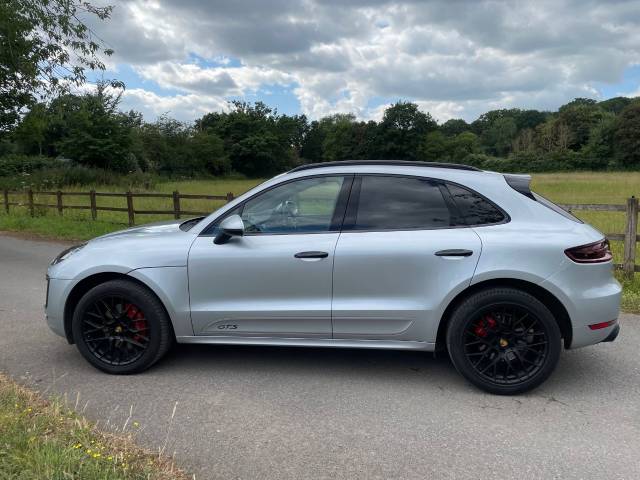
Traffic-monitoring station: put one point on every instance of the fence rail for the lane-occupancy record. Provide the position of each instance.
(630, 236)
(93, 206)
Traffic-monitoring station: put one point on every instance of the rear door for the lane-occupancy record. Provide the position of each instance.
(404, 248)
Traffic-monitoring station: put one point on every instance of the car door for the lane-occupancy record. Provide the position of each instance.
(403, 250)
(275, 281)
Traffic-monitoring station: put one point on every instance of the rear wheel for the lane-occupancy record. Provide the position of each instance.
(504, 340)
(120, 327)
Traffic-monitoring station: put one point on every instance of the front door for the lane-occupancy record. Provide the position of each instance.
(276, 280)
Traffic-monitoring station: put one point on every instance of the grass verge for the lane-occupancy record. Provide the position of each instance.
(45, 440)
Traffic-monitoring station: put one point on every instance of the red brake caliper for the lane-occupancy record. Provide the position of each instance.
(488, 322)
(135, 314)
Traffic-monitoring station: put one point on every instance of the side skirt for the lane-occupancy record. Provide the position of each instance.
(310, 342)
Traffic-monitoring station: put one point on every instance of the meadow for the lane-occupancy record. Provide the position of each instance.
(583, 187)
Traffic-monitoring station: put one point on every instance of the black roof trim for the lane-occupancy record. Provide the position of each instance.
(399, 163)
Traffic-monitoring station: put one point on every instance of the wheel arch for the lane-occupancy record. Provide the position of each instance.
(552, 302)
(86, 284)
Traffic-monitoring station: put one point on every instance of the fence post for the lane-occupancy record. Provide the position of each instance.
(229, 196)
(59, 202)
(6, 200)
(94, 209)
(630, 234)
(176, 204)
(130, 209)
(30, 200)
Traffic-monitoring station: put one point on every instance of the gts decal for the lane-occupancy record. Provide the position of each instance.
(229, 326)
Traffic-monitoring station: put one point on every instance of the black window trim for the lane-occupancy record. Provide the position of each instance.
(352, 207)
(336, 221)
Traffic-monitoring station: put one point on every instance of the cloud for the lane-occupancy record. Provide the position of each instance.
(455, 58)
(181, 107)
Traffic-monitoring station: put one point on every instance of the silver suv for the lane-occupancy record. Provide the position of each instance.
(356, 254)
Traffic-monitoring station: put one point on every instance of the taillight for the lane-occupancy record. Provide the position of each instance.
(597, 252)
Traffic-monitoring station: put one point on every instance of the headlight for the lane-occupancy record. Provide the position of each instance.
(67, 253)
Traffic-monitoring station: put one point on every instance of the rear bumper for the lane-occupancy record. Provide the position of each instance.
(614, 334)
(591, 295)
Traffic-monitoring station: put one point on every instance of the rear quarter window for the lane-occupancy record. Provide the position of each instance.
(474, 208)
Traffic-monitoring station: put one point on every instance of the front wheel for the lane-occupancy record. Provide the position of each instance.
(120, 327)
(504, 340)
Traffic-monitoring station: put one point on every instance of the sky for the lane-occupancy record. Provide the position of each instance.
(454, 58)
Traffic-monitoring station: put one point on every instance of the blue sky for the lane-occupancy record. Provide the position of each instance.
(318, 57)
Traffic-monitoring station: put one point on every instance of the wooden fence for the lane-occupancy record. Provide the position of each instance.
(629, 237)
(130, 209)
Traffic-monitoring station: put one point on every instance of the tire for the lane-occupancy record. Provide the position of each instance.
(120, 327)
(504, 340)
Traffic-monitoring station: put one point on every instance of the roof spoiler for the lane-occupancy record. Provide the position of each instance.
(520, 183)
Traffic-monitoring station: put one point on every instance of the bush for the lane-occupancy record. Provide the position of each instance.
(14, 165)
(59, 177)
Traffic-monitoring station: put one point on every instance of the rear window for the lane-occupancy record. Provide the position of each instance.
(474, 208)
(552, 206)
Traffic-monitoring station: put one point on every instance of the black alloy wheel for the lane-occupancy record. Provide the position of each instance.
(121, 327)
(504, 340)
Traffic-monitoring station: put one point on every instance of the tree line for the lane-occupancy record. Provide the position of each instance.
(255, 140)
(45, 130)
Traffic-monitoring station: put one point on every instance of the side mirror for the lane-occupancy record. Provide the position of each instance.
(232, 226)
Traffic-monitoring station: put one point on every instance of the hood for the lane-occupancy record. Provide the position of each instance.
(149, 230)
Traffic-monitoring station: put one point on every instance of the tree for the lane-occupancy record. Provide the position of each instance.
(627, 138)
(256, 138)
(463, 145)
(93, 132)
(44, 48)
(434, 147)
(401, 131)
(339, 137)
(311, 150)
(499, 136)
(206, 153)
(454, 126)
(580, 116)
(31, 132)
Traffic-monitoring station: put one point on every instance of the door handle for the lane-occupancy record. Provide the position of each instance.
(311, 255)
(454, 252)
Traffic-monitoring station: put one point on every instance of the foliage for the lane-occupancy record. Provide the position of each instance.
(627, 136)
(401, 131)
(257, 141)
(44, 48)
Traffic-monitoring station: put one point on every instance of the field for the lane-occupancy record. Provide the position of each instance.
(588, 187)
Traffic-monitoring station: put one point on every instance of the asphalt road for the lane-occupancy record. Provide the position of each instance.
(319, 413)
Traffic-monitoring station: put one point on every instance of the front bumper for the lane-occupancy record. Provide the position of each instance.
(57, 292)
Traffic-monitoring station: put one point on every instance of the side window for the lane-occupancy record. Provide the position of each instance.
(396, 203)
(302, 206)
(475, 209)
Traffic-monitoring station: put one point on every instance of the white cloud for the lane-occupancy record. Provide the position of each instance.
(181, 107)
(454, 58)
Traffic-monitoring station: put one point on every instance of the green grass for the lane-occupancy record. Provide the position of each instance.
(77, 224)
(584, 187)
(45, 440)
